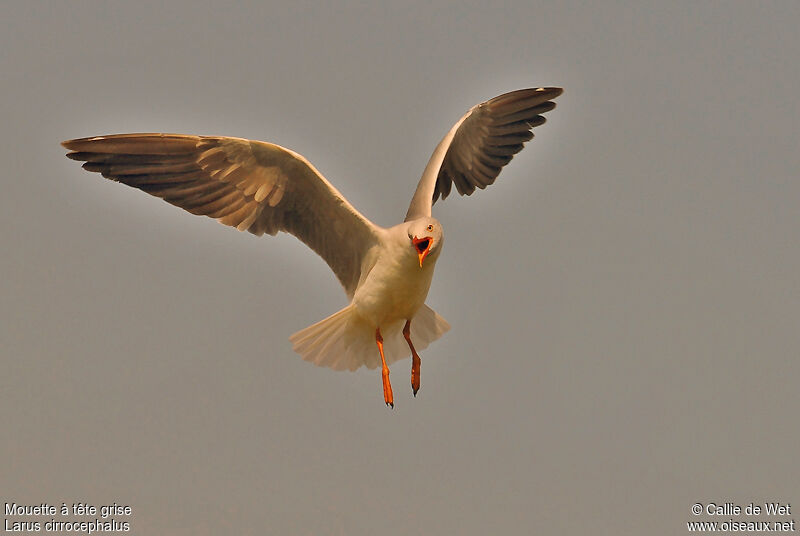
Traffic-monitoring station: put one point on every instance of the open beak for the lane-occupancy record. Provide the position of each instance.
(423, 247)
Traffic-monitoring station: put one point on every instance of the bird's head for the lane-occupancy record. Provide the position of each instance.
(426, 238)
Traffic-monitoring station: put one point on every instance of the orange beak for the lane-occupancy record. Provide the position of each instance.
(423, 247)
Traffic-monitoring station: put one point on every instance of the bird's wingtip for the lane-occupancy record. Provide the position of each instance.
(74, 144)
(553, 92)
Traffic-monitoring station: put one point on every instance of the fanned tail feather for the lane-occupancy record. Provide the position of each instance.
(346, 341)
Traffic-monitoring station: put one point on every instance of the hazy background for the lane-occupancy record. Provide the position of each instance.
(624, 300)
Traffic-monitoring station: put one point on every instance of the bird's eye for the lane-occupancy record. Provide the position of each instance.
(429, 227)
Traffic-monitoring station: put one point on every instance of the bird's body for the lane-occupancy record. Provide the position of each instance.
(394, 286)
(265, 188)
(392, 290)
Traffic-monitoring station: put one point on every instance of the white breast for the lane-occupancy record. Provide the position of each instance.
(396, 287)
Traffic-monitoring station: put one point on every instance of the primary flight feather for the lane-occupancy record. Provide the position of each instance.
(265, 188)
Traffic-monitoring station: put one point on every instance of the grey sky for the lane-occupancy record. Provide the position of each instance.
(624, 299)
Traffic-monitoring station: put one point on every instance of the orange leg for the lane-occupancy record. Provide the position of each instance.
(415, 361)
(387, 386)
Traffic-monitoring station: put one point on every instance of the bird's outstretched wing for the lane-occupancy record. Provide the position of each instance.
(472, 154)
(250, 185)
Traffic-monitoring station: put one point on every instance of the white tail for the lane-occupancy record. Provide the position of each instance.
(345, 340)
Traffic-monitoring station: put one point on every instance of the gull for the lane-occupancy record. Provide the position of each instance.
(265, 188)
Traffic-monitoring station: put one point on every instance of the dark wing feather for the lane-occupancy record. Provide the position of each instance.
(472, 154)
(250, 185)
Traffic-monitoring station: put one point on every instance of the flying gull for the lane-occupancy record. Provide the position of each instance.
(264, 188)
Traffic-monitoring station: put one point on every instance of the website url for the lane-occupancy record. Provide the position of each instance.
(740, 526)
